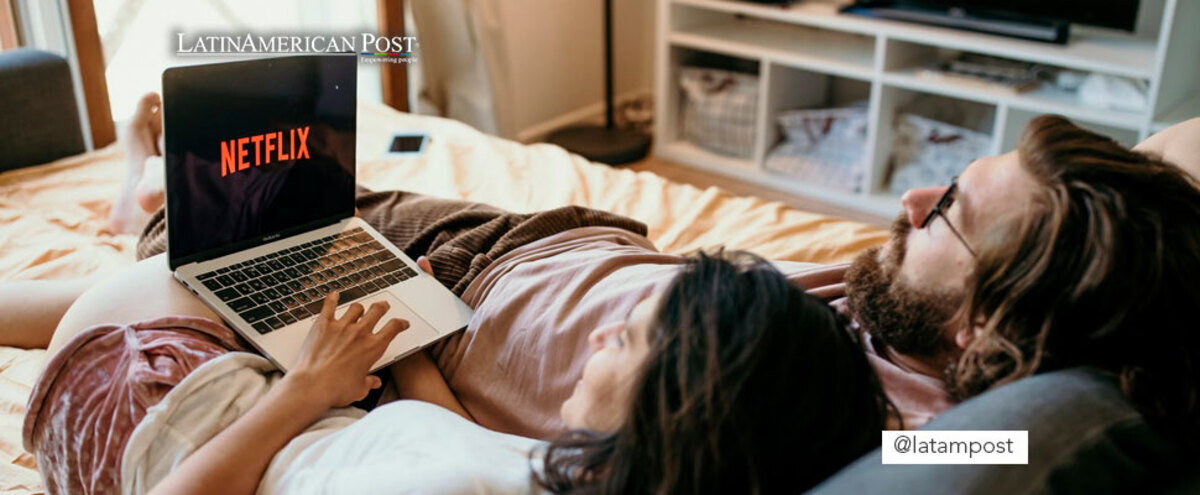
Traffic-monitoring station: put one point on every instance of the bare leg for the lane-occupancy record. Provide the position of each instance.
(142, 192)
(143, 291)
(31, 309)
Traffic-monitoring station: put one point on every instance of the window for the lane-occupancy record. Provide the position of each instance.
(139, 37)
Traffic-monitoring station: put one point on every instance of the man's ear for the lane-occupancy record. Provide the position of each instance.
(964, 337)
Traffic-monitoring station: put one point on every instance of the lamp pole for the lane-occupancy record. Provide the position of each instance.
(607, 143)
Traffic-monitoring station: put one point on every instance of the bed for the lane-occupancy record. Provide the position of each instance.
(52, 220)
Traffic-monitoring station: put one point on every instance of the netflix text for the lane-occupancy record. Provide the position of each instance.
(260, 149)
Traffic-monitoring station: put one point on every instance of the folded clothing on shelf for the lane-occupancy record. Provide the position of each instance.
(928, 152)
(822, 147)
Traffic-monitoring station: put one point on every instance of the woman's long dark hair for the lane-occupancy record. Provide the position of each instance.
(751, 386)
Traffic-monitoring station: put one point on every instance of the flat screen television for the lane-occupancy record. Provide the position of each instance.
(1042, 20)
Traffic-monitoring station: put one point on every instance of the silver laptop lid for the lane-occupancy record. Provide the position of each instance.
(256, 151)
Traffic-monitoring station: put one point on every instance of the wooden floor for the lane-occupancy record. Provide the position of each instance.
(687, 175)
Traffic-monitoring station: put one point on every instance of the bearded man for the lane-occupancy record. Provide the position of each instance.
(1069, 251)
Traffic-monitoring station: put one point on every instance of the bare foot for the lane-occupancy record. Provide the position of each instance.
(141, 137)
(149, 192)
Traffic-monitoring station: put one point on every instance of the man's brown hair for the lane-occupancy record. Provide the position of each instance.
(1103, 271)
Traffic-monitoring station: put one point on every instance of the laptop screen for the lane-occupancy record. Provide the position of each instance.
(256, 151)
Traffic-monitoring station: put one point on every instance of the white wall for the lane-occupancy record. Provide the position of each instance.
(557, 62)
(522, 68)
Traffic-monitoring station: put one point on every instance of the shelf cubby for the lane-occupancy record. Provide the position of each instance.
(823, 91)
(836, 52)
(1186, 108)
(1017, 118)
(682, 57)
(905, 63)
(895, 101)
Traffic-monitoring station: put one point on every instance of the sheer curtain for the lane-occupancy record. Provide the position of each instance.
(457, 73)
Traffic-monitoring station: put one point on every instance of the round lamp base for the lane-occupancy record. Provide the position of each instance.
(601, 144)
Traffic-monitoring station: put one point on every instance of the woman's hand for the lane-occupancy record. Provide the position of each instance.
(331, 372)
(338, 353)
(423, 264)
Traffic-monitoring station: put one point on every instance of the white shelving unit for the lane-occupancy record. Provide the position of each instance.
(804, 49)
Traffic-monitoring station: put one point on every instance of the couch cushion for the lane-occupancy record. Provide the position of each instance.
(41, 120)
(1084, 437)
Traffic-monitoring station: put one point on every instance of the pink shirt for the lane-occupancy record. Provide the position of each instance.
(526, 346)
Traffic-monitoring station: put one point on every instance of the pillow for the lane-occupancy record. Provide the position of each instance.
(1084, 437)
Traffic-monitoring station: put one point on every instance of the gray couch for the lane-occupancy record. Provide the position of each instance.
(1083, 438)
(37, 100)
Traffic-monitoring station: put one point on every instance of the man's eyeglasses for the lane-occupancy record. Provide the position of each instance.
(940, 210)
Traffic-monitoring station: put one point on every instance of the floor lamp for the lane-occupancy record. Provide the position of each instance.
(607, 143)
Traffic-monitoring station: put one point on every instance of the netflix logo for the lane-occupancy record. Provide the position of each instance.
(278, 146)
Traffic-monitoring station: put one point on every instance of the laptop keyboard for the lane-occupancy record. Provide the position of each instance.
(289, 285)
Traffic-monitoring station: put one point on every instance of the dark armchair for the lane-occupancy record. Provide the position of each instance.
(39, 120)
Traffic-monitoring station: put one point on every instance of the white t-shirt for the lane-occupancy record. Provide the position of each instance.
(401, 447)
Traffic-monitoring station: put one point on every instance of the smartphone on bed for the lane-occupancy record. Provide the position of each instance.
(407, 144)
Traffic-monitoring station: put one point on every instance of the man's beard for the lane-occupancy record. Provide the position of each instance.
(908, 319)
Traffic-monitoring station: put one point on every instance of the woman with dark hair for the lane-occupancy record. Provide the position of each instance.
(731, 380)
(739, 383)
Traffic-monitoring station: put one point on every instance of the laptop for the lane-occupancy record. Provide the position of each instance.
(260, 181)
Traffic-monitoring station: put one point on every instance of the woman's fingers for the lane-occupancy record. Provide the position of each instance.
(423, 263)
(352, 314)
(391, 329)
(331, 303)
(369, 383)
(373, 315)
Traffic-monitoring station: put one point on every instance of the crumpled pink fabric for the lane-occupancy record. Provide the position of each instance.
(96, 389)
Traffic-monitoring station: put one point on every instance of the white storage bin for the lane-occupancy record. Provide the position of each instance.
(719, 110)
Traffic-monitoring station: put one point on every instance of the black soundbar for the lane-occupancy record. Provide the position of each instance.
(1048, 31)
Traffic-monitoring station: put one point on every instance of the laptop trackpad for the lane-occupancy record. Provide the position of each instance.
(418, 334)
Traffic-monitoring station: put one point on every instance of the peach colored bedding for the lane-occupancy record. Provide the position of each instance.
(52, 220)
